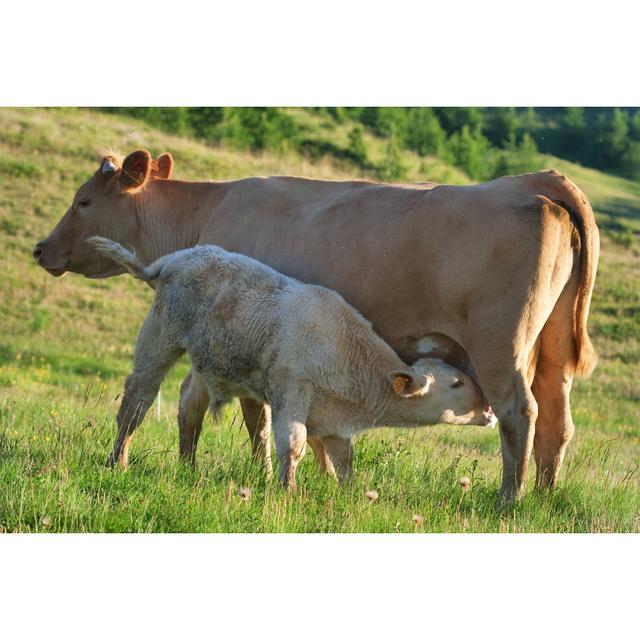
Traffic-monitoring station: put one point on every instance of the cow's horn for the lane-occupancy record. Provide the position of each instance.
(108, 167)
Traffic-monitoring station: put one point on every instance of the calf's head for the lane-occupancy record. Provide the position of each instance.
(105, 205)
(434, 392)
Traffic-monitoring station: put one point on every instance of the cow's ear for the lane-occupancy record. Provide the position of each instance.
(135, 169)
(162, 167)
(406, 384)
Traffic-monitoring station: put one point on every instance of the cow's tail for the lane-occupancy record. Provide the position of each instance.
(126, 258)
(567, 195)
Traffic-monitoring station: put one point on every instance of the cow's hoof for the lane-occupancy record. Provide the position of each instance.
(113, 462)
(507, 498)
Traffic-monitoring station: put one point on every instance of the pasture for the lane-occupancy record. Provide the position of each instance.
(66, 347)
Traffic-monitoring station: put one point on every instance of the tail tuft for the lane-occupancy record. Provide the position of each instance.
(588, 358)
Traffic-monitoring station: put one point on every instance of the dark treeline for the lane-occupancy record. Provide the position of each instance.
(485, 142)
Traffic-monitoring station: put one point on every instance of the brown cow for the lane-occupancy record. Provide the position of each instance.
(500, 273)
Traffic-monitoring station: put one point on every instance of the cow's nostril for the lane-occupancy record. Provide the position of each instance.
(37, 251)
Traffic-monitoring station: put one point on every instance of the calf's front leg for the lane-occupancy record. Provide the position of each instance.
(289, 418)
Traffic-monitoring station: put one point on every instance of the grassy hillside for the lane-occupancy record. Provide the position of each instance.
(66, 347)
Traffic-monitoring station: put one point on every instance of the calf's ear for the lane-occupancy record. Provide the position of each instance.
(406, 384)
(136, 169)
(162, 167)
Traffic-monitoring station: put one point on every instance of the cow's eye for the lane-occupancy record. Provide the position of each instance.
(84, 203)
(457, 383)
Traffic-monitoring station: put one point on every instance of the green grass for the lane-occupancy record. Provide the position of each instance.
(66, 347)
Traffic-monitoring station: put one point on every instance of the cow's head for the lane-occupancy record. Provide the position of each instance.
(105, 205)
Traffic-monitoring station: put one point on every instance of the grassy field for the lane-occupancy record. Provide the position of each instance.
(66, 347)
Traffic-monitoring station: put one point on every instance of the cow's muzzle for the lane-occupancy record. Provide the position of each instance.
(38, 256)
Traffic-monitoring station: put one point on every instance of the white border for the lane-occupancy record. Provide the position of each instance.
(122, 52)
(319, 586)
(302, 53)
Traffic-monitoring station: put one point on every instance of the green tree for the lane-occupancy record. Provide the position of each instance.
(529, 121)
(204, 120)
(631, 160)
(339, 114)
(611, 139)
(505, 126)
(357, 145)
(392, 168)
(634, 126)
(520, 158)
(469, 150)
(257, 128)
(453, 119)
(392, 121)
(426, 136)
(573, 136)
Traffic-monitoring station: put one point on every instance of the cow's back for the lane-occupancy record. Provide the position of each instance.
(411, 258)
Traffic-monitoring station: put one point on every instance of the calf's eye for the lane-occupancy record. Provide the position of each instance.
(84, 203)
(457, 383)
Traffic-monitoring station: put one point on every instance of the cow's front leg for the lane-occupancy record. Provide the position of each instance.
(194, 400)
(514, 404)
(257, 418)
(153, 358)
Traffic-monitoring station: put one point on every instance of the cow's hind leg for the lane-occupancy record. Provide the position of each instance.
(194, 400)
(153, 358)
(551, 388)
(257, 418)
(554, 427)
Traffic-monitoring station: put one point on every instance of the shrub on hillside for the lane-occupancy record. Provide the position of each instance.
(392, 169)
(518, 158)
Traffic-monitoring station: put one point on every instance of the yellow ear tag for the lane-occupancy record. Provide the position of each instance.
(398, 384)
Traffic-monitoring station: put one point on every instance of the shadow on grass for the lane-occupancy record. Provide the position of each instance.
(68, 364)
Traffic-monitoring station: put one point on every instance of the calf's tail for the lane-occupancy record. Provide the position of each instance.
(126, 258)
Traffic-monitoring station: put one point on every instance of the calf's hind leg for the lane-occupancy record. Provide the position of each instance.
(194, 400)
(257, 418)
(322, 459)
(340, 453)
(153, 358)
